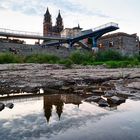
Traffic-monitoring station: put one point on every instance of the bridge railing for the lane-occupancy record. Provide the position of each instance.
(106, 25)
(96, 29)
(4, 30)
(26, 33)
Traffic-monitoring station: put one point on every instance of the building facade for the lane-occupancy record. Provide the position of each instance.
(71, 32)
(48, 28)
(126, 44)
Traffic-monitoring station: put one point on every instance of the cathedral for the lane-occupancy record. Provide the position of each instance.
(48, 28)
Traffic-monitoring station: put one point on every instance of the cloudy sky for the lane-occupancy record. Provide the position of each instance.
(27, 15)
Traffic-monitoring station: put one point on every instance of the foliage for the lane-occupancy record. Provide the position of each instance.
(111, 59)
(137, 57)
(122, 64)
(108, 56)
(10, 58)
(81, 57)
(66, 62)
(41, 58)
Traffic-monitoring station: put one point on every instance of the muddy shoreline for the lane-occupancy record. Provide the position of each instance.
(30, 78)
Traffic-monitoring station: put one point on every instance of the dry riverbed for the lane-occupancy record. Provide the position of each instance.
(30, 78)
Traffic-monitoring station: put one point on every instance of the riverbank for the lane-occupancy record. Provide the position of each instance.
(53, 78)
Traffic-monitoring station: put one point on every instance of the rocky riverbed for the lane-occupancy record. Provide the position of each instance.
(86, 80)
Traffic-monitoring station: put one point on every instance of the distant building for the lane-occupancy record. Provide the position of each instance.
(71, 32)
(126, 44)
(48, 29)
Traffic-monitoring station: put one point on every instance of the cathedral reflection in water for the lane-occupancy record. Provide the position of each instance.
(59, 101)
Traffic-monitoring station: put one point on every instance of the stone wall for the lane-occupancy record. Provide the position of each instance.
(24, 49)
(122, 42)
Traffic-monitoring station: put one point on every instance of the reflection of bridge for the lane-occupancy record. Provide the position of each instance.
(94, 35)
(20, 98)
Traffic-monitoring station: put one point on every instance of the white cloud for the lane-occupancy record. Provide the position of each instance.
(19, 21)
(28, 14)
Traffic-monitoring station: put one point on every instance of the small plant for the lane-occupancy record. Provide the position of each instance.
(108, 55)
(82, 57)
(42, 58)
(10, 58)
(66, 62)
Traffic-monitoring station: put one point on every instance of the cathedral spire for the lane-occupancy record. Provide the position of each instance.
(47, 16)
(59, 15)
(47, 11)
(59, 23)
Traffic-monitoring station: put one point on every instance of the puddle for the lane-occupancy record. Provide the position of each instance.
(67, 117)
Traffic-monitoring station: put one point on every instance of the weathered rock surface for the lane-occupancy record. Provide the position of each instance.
(134, 85)
(15, 78)
(110, 93)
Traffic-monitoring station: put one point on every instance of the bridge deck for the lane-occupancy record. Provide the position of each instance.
(105, 26)
(27, 35)
(34, 35)
(96, 33)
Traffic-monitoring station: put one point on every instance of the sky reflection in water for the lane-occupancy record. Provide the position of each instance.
(66, 117)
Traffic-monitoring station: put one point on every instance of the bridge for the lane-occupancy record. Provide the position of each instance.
(27, 35)
(94, 34)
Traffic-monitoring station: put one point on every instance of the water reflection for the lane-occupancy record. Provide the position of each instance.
(58, 101)
(78, 119)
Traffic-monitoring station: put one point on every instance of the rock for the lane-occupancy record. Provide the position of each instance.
(116, 100)
(110, 93)
(93, 99)
(89, 88)
(124, 94)
(97, 92)
(134, 85)
(133, 91)
(2, 106)
(107, 86)
(79, 91)
(9, 105)
(103, 103)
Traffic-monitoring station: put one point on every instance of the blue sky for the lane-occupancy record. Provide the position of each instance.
(28, 14)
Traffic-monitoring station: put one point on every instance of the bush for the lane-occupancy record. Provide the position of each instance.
(98, 63)
(66, 62)
(122, 64)
(137, 57)
(108, 55)
(113, 64)
(42, 58)
(10, 58)
(81, 57)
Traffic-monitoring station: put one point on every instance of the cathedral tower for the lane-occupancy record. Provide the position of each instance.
(48, 29)
(47, 24)
(59, 23)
